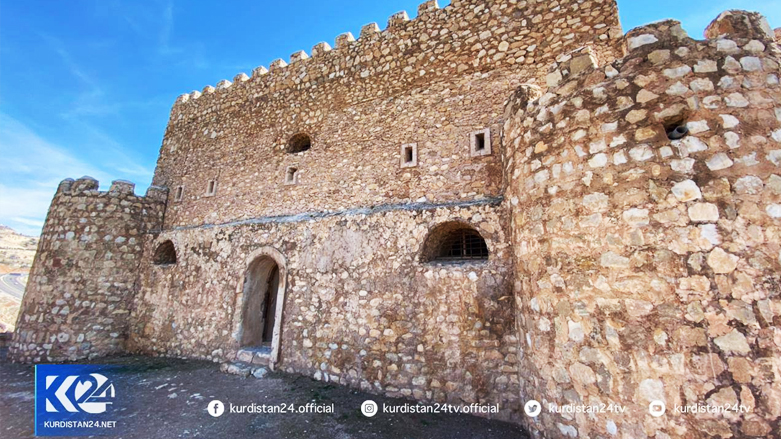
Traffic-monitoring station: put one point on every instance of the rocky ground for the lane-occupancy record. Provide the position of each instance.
(167, 398)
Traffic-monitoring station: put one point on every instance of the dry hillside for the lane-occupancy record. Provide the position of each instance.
(16, 251)
(16, 256)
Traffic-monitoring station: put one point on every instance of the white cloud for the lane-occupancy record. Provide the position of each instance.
(24, 209)
(37, 224)
(32, 170)
(34, 166)
(112, 154)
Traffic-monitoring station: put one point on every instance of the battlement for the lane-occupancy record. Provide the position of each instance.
(665, 79)
(462, 60)
(474, 35)
(634, 185)
(88, 186)
(368, 32)
(721, 34)
(627, 199)
(737, 41)
(740, 24)
(84, 272)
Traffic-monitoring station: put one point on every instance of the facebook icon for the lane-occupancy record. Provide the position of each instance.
(215, 408)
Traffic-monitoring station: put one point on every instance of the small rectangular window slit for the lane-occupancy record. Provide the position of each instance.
(211, 188)
(409, 155)
(291, 175)
(179, 193)
(480, 143)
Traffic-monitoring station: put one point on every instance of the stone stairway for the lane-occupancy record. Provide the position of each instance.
(249, 361)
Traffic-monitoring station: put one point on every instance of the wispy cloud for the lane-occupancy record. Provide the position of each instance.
(33, 167)
(94, 101)
(155, 25)
(166, 28)
(113, 154)
(37, 224)
(91, 95)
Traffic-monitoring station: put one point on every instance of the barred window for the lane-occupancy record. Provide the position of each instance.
(454, 241)
(463, 244)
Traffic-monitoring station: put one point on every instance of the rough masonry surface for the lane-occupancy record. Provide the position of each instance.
(627, 188)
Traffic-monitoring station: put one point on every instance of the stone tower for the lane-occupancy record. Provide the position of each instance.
(646, 263)
(493, 202)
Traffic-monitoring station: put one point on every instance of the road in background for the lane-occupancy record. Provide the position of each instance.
(13, 284)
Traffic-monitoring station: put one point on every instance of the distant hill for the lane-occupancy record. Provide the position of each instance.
(16, 251)
(16, 256)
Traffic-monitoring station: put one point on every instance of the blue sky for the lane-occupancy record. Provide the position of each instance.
(86, 86)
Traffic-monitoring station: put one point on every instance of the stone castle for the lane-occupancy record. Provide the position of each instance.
(494, 202)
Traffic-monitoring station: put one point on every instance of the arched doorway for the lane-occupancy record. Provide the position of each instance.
(261, 288)
(262, 292)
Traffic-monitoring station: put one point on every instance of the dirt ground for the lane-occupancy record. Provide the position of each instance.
(171, 397)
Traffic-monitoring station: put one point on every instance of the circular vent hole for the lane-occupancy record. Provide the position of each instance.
(677, 132)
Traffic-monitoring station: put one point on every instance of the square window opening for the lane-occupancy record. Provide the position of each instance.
(480, 143)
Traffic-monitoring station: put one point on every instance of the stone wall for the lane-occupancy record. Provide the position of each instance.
(361, 308)
(5, 339)
(430, 81)
(648, 268)
(626, 265)
(85, 274)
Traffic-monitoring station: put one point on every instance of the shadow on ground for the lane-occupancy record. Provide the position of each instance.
(167, 398)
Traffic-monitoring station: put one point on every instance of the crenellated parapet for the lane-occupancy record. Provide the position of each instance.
(85, 272)
(88, 186)
(463, 37)
(440, 77)
(740, 24)
(646, 216)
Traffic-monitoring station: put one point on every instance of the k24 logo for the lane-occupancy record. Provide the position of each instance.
(89, 393)
(78, 400)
